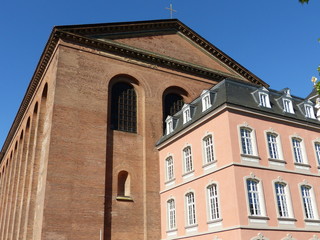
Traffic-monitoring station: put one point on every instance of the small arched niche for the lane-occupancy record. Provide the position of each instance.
(124, 186)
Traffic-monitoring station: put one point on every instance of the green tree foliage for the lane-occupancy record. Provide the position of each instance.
(304, 1)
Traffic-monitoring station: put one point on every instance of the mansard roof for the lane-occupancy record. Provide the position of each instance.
(239, 95)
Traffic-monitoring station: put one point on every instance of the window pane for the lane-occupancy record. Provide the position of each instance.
(246, 141)
(307, 202)
(208, 149)
(213, 202)
(281, 200)
(123, 108)
(317, 147)
(169, 167)
(171, 214)
(187, 159)
(253, 197)
(272, 145)
(296, 144)
(191, 211)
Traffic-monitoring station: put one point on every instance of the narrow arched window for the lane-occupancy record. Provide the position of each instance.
(123, 184)
(123, 107)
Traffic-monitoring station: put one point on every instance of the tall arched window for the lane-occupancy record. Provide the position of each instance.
(123, 107)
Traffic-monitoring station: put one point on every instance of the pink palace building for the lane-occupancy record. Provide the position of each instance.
(241, 162)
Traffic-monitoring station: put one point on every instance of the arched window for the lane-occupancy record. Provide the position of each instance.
(123, 107)
(123, 184)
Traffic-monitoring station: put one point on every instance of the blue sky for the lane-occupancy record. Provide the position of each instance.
(276, 40)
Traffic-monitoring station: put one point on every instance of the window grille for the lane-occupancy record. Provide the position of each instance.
(124, 108)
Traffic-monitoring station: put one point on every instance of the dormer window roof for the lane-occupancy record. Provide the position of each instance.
(206, 100)
(261, 96)
(307, 109)
(286, 101)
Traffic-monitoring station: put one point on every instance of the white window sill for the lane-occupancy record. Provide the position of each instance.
(303, 166)
(215, 223)
(170, 182)
(250, 158)
(258, 219)
(192, 228)
(172, 232)
(188, 174)
(286, 220)
(209, 165)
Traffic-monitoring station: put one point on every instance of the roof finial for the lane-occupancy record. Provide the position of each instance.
(171, 10)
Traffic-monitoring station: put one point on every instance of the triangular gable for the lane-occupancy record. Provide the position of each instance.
(168, 43)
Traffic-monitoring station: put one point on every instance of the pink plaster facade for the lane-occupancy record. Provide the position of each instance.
(229, 172)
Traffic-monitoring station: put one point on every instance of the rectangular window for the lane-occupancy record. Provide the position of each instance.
(169, 126)
(213, 202)
(264, 100)
(297, 150)
(246, 141)
(187, 159)
(208, 149)
(273, 146)
(287, 106)
(307, 202)
(171, 214)
(169, 168)
(309, 111)
(253, 197)
(317, 148)
(191, 210)
(206, 102)
(281, 200)
(186, 115)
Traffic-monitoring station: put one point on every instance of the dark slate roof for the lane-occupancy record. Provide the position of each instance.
(245, 96)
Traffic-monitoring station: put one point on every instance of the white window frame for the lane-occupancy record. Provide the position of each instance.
(186, 112)
(287, 105)
(283, 199)
(246, 146)
(264, 100)
(208, 149)
(190, 203)
(298, 150)
(274, 147)
(259, 210)
(187, 159)
(206, 101)
(308, 201)
(213, 203)
(169, 168)
(171, 214)
(169, 125)
(316, 145)
(309, 111)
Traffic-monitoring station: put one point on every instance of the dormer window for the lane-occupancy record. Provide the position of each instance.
(309, 112)
(206, 101)
(261, 96)
(287, 105)
(186, 115)
(264, 100)
(169, 125)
